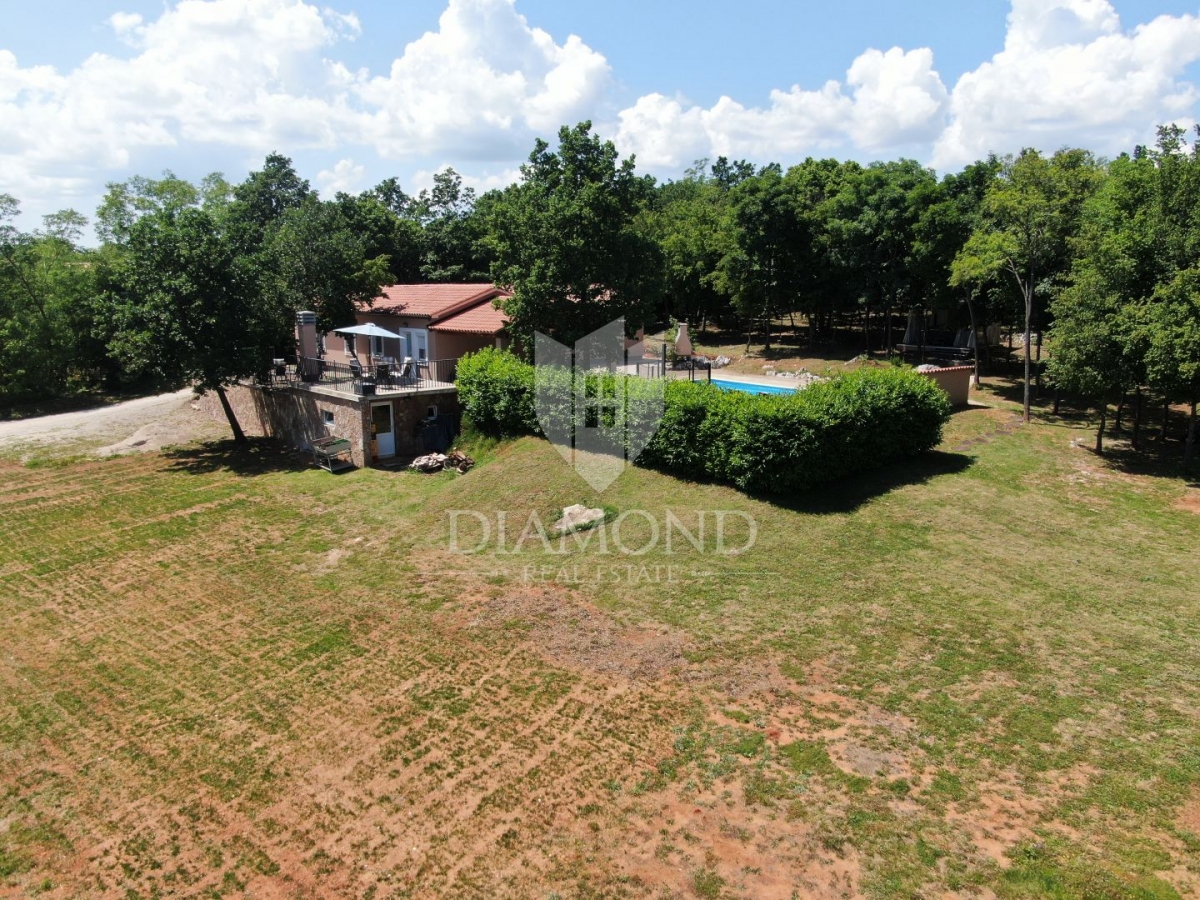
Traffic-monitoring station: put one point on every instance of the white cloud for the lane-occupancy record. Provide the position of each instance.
(226, 71)
(255, 75)
(888, 100)
(261, 75)
(345, 176)
(484, 80)
(422, 179)
(1069, 75)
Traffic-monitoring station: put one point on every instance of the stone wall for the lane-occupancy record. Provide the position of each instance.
(296, 416)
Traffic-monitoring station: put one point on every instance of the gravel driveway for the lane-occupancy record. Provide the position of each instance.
(141, 425)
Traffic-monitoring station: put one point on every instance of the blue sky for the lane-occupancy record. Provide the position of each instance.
(97, 91)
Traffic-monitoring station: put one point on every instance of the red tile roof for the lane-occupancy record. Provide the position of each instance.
(483, 318)
(429, 299)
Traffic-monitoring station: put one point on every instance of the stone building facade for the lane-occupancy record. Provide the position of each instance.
(299, 414)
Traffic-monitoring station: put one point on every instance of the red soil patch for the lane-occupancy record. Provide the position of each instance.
(1190, 502)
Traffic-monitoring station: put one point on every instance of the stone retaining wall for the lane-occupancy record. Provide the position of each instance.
(297, 416)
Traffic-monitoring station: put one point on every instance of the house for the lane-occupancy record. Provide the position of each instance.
(389, 397)
(434, 321)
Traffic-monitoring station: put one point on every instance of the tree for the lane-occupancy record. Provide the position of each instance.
(1091, 334)
(689, 220)
(1173, 346)
(384, 234)
(318, 260)
(762, 269)
(190, 306)
(875, 219)
(943, 227)
(453, 230)
(565, 239)
(264, 197)
(127, 201)
(1028, 215)
(46, 282)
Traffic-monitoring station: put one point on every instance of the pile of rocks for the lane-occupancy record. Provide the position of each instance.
(437, 462)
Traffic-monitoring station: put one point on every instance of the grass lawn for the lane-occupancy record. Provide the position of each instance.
(976, 674)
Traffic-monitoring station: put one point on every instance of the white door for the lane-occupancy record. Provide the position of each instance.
(416, 343)
(385, 435)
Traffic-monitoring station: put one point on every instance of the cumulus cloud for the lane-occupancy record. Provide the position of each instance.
(255, 75)
(346, 176)
(1069, 75)
(220, 71)
(261, 75)
(485, 75)
(887, 100)
(422, 179)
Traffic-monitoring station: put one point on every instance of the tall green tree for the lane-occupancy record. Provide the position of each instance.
(190, 306)
(690, 219)
(566, 240)
(1029, 214)
(1091, 332)
(762, 269)
(46, 282)
(318, 258)
(127, 201)
(1172, 336)
(875, 220)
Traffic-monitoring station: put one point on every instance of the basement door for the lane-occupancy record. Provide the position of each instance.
(384, 428)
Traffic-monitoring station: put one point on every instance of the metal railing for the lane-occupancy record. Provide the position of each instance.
(375, 377)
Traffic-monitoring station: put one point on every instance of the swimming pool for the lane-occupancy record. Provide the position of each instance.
(749, 388)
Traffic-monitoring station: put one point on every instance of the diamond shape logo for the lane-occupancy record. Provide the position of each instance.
(598, 415)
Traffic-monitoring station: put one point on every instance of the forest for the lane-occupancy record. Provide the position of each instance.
(1094, 261)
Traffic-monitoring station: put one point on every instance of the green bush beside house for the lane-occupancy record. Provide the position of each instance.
(769, 444)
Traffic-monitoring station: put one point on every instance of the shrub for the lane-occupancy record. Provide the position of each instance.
(496, 392)
(762, 443)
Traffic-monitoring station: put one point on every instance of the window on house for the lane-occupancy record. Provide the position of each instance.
(327, 418)
(432, 412)
(376, 346)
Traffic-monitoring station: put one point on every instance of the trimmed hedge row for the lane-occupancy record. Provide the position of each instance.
(762, 443)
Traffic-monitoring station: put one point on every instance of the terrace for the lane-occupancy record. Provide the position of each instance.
(379, 377)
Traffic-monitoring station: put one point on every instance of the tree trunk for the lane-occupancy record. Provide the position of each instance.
(1137, 419)
(1057, 399)
(1189, 448)
(1038, 358)
(888, 338)
(1028, 343)
(239, 436)
(1120, 414)
(1100, 430)
(1166, 420)
(975, 335)
(867, 330)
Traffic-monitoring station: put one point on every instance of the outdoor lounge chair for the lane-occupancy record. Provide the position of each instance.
(408, 374)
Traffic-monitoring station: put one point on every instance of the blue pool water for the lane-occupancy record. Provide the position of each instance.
(752, 388)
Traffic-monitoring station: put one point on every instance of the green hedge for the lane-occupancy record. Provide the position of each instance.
(762, 443)
(495, 389)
